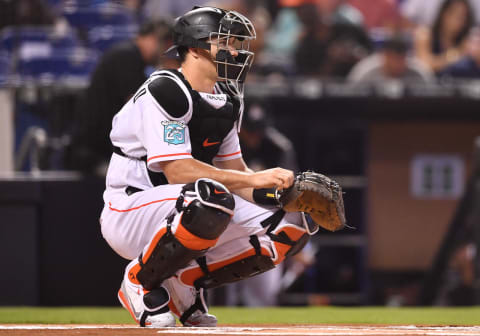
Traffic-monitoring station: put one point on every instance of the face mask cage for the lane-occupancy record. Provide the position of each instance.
(235, 33)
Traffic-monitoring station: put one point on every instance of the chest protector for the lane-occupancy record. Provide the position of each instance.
(208, 126)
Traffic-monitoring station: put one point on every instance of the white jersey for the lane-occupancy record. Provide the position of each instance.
(144, 128)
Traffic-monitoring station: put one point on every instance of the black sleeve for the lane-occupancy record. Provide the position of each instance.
(170, 96)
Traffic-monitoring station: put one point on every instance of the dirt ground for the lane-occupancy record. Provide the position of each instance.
(130, 330)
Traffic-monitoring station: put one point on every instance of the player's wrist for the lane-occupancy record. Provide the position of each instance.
(266, 196)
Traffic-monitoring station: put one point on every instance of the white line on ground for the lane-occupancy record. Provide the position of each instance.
(356, 330)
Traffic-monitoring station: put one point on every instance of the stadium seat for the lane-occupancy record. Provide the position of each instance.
(68, 65)
(4, 68)
(102, 38)
(86, 17)
(29, 37)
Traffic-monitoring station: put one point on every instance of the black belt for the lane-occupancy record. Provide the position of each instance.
(155, 177)
(132, 190)
(118, 150)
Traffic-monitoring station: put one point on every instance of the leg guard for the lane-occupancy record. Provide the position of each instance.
(284, 239)
(203, 212)
(237, 270)
(287, 240)
(244, 265)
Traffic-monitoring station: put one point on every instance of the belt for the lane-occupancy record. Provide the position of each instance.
(155, 178)
(132, 190)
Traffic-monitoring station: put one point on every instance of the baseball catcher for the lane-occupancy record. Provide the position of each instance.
(180, 202)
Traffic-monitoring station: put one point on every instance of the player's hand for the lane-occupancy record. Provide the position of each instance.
(275, 177)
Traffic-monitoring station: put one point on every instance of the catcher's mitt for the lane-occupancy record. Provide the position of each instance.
(319, 196)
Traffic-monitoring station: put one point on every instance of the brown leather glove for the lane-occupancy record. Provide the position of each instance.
(319, 196)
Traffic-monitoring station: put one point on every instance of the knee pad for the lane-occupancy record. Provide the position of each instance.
(209, 211)
(203, 211)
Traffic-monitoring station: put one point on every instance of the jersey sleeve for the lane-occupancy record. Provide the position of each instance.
(230, 147)
(166, 134)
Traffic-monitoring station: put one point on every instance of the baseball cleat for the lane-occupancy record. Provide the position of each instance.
(199, 319)
(148, 308)
(182, 298)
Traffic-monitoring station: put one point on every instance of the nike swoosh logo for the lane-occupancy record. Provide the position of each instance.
(208, 144)
(219, 192)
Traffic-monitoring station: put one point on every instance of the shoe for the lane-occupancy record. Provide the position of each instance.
(199, 319)
(183, 297)
(149, 309)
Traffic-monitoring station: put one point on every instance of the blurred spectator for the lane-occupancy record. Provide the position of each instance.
(423, 13)
(383, 14)
(118, 75)
(155, 9)
(30, 13)
(281, 40)
(257, 12)
(340, 11)
(467, 67)
(460, 278)
(445, 42)
(390, 63)
(328, 49)
(263, 146)
(25, 12)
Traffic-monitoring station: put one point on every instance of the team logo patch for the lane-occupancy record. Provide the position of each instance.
(173, 132)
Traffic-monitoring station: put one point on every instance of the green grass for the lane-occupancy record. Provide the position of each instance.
(301, 315)
(348, 315)
(92, 315)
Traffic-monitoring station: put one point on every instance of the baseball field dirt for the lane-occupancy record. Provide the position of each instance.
(286, 321)
(314, 330)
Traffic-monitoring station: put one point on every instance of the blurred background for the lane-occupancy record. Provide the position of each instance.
(383, 96)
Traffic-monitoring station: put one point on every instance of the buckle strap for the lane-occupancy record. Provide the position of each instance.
(256, 244)
(198, 305)
(202, 262)
(273, 221)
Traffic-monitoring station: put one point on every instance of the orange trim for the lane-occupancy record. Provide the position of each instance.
(191, 241)
(282, 249)
(292, 232)
(167, 155)
(227, 155)
(154, 243)
(132, 274)
(140, 206)
(189, 276)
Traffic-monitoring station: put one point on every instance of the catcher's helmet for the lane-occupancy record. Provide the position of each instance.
(203, 26)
